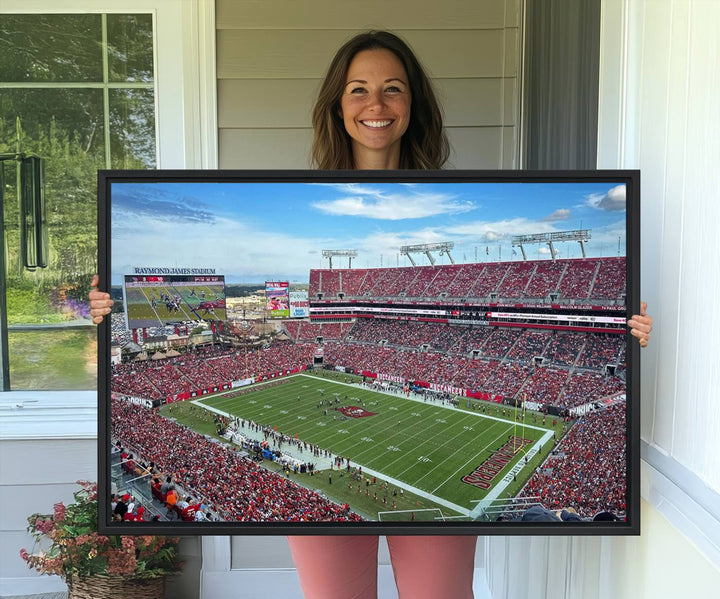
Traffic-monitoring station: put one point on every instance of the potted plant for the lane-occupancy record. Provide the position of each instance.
(67, 544)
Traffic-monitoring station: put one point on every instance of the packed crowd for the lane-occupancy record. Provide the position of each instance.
(443, 279)
(579, 283)
(587, 469)
(195, 370)
(301, 330)
(584, 385)
(610, 279)
(516, 279)
(564, 348)
(572, 278)
(505, 364)
(234, 487)
(601, 350)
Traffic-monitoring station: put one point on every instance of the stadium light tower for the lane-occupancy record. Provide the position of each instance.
(426, 248)
(579, 235)
(349, 254)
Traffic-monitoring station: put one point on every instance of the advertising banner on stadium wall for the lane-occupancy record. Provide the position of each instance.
(557, 317)
(448, 389)
(484, 395)
(277, 300)
(378, 310)
(390, 377)
(138, 401)
(299, 304)
(242, 383)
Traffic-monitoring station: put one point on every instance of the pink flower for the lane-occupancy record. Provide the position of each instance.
(43, 526)
(128, 543)
(24, 555)
(121, 562)
(59, 512)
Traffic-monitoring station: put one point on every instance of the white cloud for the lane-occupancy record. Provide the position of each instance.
(372, 203)
(229, 246)
(613, 200)
(559, 214)
(502, 229)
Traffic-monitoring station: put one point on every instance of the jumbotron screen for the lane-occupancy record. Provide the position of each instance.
(369, 352)
(277, 299)
(158, 299)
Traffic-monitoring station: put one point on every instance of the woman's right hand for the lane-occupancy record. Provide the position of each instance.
(100, 302)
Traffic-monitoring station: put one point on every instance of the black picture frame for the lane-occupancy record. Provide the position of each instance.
(629, 409)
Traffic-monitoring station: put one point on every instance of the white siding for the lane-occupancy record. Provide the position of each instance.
(271, 58)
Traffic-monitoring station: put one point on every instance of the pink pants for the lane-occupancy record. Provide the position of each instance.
(345, 567)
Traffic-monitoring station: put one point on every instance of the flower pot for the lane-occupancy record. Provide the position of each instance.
(115, 587)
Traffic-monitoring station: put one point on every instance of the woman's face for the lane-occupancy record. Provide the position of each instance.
(375, 107)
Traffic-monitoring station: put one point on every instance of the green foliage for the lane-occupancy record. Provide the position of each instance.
(70, 192)
(53, 359)
(27, 303)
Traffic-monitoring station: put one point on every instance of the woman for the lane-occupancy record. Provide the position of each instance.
(377, 110)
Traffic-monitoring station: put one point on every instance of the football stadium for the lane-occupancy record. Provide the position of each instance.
(440, 392)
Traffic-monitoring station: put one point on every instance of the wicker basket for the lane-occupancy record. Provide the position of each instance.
(116, 587)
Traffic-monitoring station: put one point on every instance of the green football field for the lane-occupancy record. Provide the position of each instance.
(140, 308)
(425, 448)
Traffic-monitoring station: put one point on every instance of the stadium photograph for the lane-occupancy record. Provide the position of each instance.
(446, 351)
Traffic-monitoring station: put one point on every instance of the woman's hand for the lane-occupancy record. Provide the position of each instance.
(641, 325)
(100, 302)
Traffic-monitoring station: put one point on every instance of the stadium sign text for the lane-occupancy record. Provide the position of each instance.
(155, 270)
(448, 389)
(486, 472)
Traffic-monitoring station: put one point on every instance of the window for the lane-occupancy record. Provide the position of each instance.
(77, 90)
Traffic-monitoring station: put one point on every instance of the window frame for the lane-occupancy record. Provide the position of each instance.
(183, 33)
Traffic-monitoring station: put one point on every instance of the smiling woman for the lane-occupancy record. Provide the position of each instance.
(372, 83)
(375, 108)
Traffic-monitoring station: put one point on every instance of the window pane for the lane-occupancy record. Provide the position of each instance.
(53, 359)
(130, 48)
(132, 128)
(51, 118)
(65, 128)
(50, 48)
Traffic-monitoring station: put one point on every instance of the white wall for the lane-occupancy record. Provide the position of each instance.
(660, 84)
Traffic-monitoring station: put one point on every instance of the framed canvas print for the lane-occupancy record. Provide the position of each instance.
(385, 352)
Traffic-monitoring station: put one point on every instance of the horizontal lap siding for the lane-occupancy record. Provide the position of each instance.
(271, 58)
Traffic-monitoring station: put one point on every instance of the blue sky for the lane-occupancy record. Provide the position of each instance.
(252, 232)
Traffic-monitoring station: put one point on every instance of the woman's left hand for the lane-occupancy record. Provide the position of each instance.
(641, 325)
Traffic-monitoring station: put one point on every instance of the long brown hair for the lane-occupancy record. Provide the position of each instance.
(424, 144)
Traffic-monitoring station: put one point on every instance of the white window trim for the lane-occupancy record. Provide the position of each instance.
(683, 498)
